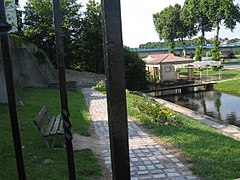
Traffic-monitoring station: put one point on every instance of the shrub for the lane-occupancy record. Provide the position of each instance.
(135, 71)
(231, 55)
(159, 113)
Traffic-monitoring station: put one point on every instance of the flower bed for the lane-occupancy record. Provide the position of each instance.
(159, 113)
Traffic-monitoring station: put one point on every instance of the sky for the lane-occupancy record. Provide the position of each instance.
(137, 21)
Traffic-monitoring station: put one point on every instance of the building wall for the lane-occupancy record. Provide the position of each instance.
(154, 70)
(167, 72)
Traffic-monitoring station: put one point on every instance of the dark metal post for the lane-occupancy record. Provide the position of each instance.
(4, 28)
(116, 95)
(63, 89)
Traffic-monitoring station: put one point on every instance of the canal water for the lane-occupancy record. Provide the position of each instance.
(223, 107)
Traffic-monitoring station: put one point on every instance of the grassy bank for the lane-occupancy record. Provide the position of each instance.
(231, 87)
(40, 162)
(211, 155)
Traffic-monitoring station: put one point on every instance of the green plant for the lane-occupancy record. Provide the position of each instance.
(198, 50)
(159, 113)
(101, 86)
(216, 54)
(135, 71)
(209, 54)
(210, 154)
(231, 54)
(16, 41)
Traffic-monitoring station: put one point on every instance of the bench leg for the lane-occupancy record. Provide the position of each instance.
(53, 142)
(46, 142)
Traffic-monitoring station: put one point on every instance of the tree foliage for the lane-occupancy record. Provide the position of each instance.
(196, 12)
(192, 42)
(91, 46)
(216, 54)
(168, 25)
(82, 33)
(198, 50)
(135, 71)
(223, 12)
(39, 29)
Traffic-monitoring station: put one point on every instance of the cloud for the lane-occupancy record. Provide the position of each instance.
(137, 21)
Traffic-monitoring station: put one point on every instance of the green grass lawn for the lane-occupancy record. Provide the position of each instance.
(233, 63)
(226, 74)
(35, 153)
(210, 154)
(231, 87)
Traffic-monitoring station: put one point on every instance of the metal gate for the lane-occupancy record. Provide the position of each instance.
(116, 96)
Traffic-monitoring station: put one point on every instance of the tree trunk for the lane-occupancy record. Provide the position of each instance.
(203, 37)
(202, 43)
(184, 48)
(218, 29)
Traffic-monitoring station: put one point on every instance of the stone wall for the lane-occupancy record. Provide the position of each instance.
(84, 79)
(27, 71)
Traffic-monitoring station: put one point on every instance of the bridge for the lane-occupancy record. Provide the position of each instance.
(224, 48)
(206, 85)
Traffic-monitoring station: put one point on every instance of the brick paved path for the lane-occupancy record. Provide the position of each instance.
(149, 160)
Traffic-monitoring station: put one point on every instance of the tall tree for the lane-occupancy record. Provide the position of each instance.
(170, 25)
(91, 47)
(216, 54)
(38, 27)
(186, 29)
(167, 23)
(196, 12)
(198, 50)
(224, 12)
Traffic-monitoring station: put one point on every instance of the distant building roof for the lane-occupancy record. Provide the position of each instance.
(166, 58)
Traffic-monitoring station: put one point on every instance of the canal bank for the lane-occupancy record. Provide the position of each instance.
(229, 130)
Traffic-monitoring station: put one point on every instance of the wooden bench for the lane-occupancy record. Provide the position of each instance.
(48, 126)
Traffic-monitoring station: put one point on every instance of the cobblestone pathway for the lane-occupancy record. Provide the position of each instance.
(149, 160)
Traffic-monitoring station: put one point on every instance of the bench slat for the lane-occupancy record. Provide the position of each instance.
(47, 126)
(56, 126)
(50, 126)
(41, 117)
(61, 131)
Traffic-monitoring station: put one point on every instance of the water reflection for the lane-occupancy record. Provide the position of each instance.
(223, 107)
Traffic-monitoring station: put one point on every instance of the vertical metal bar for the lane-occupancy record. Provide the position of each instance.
(63, 89)
(4, 28)
(116, 95)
